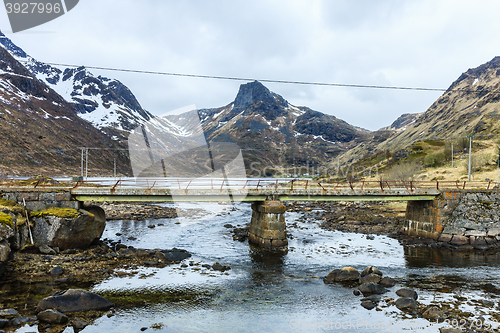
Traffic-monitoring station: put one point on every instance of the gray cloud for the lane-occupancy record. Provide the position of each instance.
(388, 42)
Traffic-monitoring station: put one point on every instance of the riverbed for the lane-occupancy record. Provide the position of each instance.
(282, 292)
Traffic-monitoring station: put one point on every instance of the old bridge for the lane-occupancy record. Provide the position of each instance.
(429, 202)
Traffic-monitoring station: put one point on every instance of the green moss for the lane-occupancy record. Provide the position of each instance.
(6, 219)
(55, 211)
(11, 206)
(137, 297)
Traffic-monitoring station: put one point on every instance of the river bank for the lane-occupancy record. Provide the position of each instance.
(125, 268)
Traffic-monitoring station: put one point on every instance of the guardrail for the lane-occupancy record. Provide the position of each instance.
(289, 184)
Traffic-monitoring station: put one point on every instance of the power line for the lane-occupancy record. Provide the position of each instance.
(247, 79)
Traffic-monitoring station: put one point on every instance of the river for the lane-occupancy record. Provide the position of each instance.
(281, 292)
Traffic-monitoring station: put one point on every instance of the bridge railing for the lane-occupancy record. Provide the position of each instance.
(290, 184)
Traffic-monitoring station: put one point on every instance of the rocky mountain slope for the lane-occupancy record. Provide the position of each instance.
(41, 132)
(275, 134)
(469, 106)
(108, 104)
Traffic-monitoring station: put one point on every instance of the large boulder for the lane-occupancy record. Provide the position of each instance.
(74, 300)
(345, 274)
(65, 228)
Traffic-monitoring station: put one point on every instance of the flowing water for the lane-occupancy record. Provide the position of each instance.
(279, 292)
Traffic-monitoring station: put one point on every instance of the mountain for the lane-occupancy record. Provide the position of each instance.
(274, 133)
(471, 105)
(402, 123)
(40, 131)
(106, 103)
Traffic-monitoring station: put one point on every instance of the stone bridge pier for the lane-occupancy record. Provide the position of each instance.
(267, 227)
(468, 219)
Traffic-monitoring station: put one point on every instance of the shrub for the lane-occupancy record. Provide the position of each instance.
(402, 171)
(434, 160)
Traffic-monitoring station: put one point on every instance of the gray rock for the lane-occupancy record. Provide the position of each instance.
(74, 300)
(371, 270)
(374, 278)
(453, 230)
(8, 313)
(407, 292)
(56, 271)
(433, 313)
(477, 241)
(450, 330)
(45, 249)
(68, 233)
(459, 240)
(372, 298)
(406, 303)
(368, 305)
(445, 238)
(78, 324)
(52, 317)
(476, 233)
(4, 251)
(3, 323)
(494, 232)
(18, 321)
(371, 288)
(344, 274)
(387, 282)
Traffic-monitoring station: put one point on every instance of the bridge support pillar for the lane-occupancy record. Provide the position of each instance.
(268, 228)
(427, 218)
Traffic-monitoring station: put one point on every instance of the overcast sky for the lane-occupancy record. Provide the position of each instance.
(397, 43)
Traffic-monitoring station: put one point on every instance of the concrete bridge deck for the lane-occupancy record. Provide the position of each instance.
(251, 190)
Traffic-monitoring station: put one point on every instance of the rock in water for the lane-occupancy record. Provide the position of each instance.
(407, 292)
(368, 304)
(387, 282)
(52, 317)
(406, 303)
(371, 288)
(74, 300)
(78, 324)
(344, 274)
(374, 278)
(371, 270)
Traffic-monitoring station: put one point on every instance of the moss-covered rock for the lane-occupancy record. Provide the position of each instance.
(66, 228)
(11, 206)
(6, 219)
(57, 212)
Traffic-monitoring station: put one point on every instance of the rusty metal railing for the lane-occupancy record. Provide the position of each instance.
(289, 184)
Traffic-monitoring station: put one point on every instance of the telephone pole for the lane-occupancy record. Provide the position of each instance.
(470, 154)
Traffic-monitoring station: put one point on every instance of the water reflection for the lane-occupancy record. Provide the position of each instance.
(420, 257)
(267, 266)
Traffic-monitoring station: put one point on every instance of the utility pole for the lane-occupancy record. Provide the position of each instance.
(81, 168)
(470, 154)
(86, 163)
(452, 154)
(114, 168)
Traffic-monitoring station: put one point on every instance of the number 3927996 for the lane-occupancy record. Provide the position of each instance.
(33, 7)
